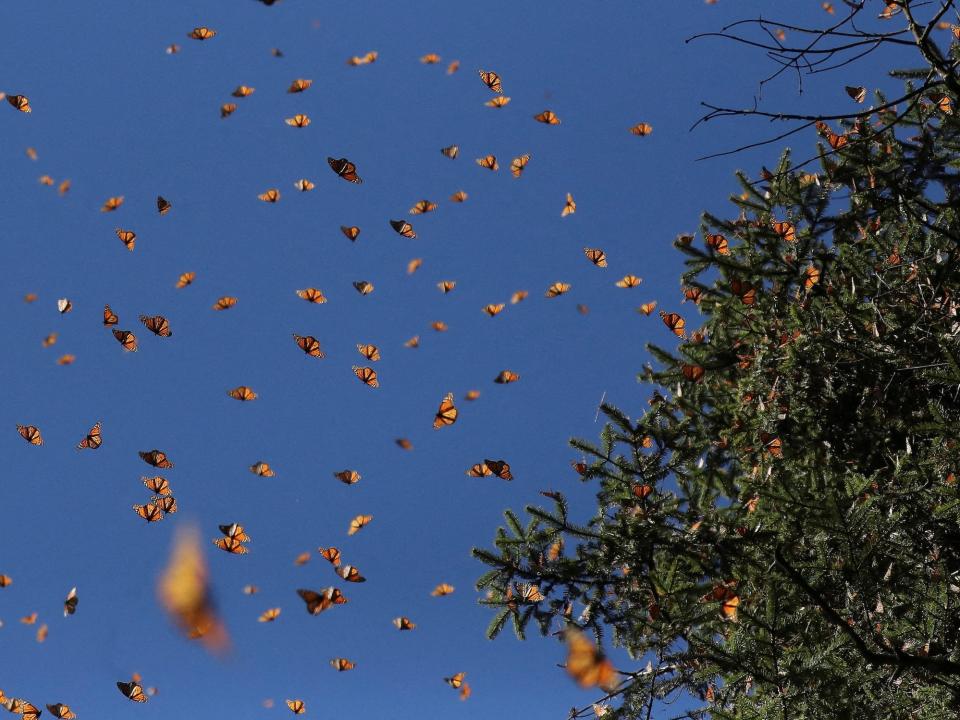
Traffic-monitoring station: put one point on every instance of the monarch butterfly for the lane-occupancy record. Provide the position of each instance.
(693, 293)
(498, 102)
(446, 414)
(441, 590)
(242, 393)
(370, 352)
(547, 117)
(773, 445)
(158, 485)
(201, 33)
(127, 237)
(597, 256)
(439, 326)
(414, 265)
(149, 512)
(342, 664)
(518, 164)
(363, 287)
(348, 477)
(493, 310)
(358, 522)
(304, 185)
(30, 619)
(243, 91)
(491, 80)
(345, 169)
(5, 580)
(156, 324)
(529, 593)
(364, 60)
(46, 180)
(225, 303)
(743, 290)
(446, 286)
(350, 574)
(586, 664)
(157, 458)
(63, 187)
(628, 281)
(456, 681)
(557, 289)
(500, 468)
(231, 545)
(647, 308)
(262, 469)
(31, 434)
(172, 49)
(163, 205)
(271, 195)
(126, 339)
(430, 59)
(837, 141)
(693, 373)
(453, 67)
(30, 297)
(331, 554)
(234, 531)
(20, 102)
(312, 295)
(310, 345)
(250, 589)
(299, 85)
(64, 305)
(857, 93)
(459, 196)
(569, 207)
(109, 317)
(413, 342)
(489, 162)
(167, 503)
(786, 230)
(521, 295)
(66, 359)
(366, 375)
(352, 232)
(111, 204)
(451, 151)
(505, 377)
(423, 206)
(674, 322)
(811, 276)
(62, 711)
(92, 440)
(50, 339)
(317, 602)
(403, 623)
(297, 707)
(728, 599)
(227, 109)
(299, 120)
(269, 615)
(641, 129)
(31, 153)
(480, 470)
(402, 227)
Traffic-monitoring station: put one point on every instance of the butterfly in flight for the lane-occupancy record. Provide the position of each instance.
(345, 169)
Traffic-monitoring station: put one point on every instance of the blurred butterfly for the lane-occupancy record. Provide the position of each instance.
(20, 102)
(441, 590)
(109, 317)
(557, 289)
(450, 151)
(548, 117)
(317, 602)
(692, 373)
(250, 589)
(66, 359)
(350, 574)
(269, 615)
(628, 281)
(227, 109)
(363, 287)
(309, 344)
(342, 664)
(157, 458)
(127, 237)
(63, 187)
(811, 276)
(430, 59)
(92, 440)
(163, 205)
(403, 623)
(158, 485)
(5, 580)
(225, 303)
(363, 60)
(491, 80)
(242, 393)
(358, 522)
(641, 129)
(46, 180)
(459, 196)
(30, 297)
(413, 342)
(857, 93)
(112, 204)
(64, 306)
(167, 503)
(127, 340)
(201, 33)
(493, 310)
(299, 85)
(298, 120)
(498, 102)
(185, 279)
(520, 296)
(262, 469)
(370, 352)
(505, 377)
(456, 680)
(312, 295)
(423, 206)
(351, 233)
(157, 324)
(172, 49)
(489, 162)
(50, 339)
(31, 153)
(59, 710)
(304, 185)
(243, 91)
(149, 512)
(345, 169)
(569, 207)
(597, 256)
(297, 707)
(70, 604)
(30, 619)
(366, 375)
(518, 164)
(302, 559)
(271, 196)
(331, 554)
(453, 67)
(348, 477)
(446, 414)
(402, 227)
(647, 308)
(439, 326)
(587, 665)
(674, 322)
(446, 285)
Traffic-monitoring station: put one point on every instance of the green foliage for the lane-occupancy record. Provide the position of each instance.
(798, 455)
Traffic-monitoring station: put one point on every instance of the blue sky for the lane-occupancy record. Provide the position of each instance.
(118, 116)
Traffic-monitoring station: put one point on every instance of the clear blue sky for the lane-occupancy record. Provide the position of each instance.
(118, 116)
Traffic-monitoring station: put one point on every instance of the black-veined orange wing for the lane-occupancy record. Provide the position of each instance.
(345, 169)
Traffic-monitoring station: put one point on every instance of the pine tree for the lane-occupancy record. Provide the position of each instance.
(778, 536)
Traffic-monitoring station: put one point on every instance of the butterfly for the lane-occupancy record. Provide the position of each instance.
(441, 590)
(647, 308)
(299, 85)
(242, 393)
(403, 623)
(480, 470)
(231, 545)
(156, 324)
(64, 187)
(250, 589)
(348, 477)
(402, 227)
(70, 604)
(413, 342)
(811, 276)
(674, 322)
(345, 169)
(729, 600)
(312, 295)
(423, 206)
(370, 352)
(111, 204)
(331, 554)
(126, 339)
(628, 281)
(66, 359)
(586, 664)
(493, 310)
(548, 117)
(459, 196)
(520, 296)
(342, 664)
(491, 80)
(298, 120)
(64, 306)
(50, 339)
(302, 559)
(127, 237)
(451, 151)
(20, 102)
(439, 326)
(489, 162)
(529, 593)
(505, 377)
(304, 185)
(157, 458)
(500, 468)
(225, 303)
(163, 205)
(317, 602)
(453, 67)
(557, 289)
(92, 440)
(109, 317)
(167, 503)
(446, 414)
(498, 102)
(271, 195)
(234, 531)
(597, 256)
(456, 680)
(693, 373)
(358, 522)
(5, 580)
(59, 710)
(269, 615)
(351, 233)
(363, 287)
(243, 91)
(364, 60)
(857, 93)
(149, 512)
(27, 710)
(743, 290)
(185, 279)
(157, 485)
(786, 230)
(518, 164)
(446, 285)
(201, 33)
(30, 619)
(172, 49)
(350, 574)
(297, 707)
(641, 129)
(366, 375)
(569, 207)
(46, 180)
(718, 243)
(262, 469)
(227, 109)
(310, 345)
(430, 59)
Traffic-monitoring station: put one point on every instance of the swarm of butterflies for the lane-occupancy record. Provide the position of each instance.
(184, 587)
